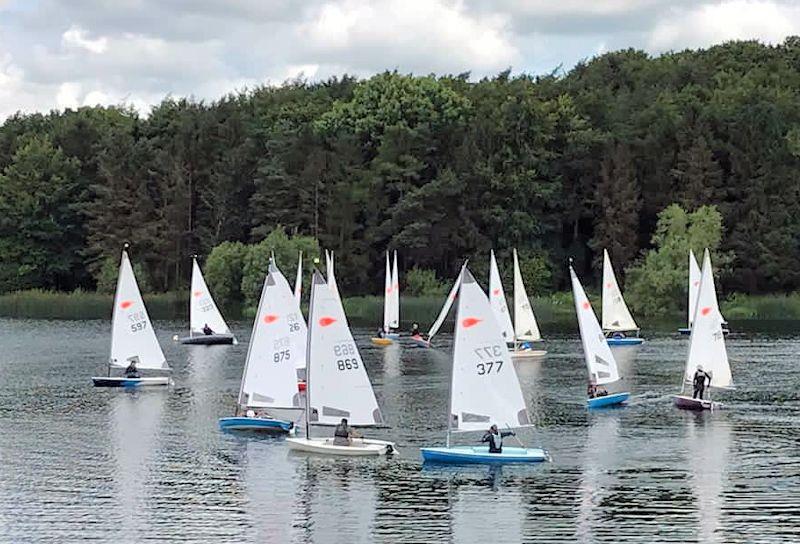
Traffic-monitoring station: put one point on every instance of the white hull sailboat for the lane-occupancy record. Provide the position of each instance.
(268, 395)
(618, 325)
(693, 290)
(337, 384)
(484, 388)
(132, 338)
(206, 324)
(600, 362)
(526, 330)
(391, 305)
(707, 350)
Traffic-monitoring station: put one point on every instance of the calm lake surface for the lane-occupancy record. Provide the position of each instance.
(105, 465)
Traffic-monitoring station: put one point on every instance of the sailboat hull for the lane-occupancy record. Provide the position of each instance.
(361, 447)
(687, 331)
(208, 340)
(607, 400)
(624, 341)
(255, 424)
(419, 341)
(105, 381)
(528, 354)
(689, 403)
(480, 455)
(382, 341)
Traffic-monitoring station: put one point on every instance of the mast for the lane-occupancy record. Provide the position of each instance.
(308, 351)
(453, 365)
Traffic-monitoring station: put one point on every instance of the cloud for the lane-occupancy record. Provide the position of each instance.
(76, 37)
(713, 23)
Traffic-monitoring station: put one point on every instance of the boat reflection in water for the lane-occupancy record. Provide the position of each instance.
(598, 478)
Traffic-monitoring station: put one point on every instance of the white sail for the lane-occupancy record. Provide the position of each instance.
(202, 309)
(600, 362)
(298, 280)
(525, 326)
(337, 382)
(497, 297)
(616, 316)
(707, 343)
(694, 286)
(132, 335)
(387, 297)
(484, 388)
(394, 321)
(277, 347)
(331, 277)
(448, 303)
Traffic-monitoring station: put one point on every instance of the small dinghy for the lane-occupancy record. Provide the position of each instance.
(693, 290)
(132, 338)
(706, 345)
(526, 330)
(337, 384)
(268, 395)
(391, 305)
(497, 299)
(600, 362)
(426, 341)
(484, 388)
(618, 324)
(204, 315)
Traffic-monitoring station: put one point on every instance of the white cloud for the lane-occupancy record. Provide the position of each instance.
(708, 24)
(76, 37)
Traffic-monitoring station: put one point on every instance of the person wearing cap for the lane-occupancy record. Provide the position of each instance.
(495, 439)
(699, 382)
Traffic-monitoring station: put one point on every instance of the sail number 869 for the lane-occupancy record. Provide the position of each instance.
(345, 356)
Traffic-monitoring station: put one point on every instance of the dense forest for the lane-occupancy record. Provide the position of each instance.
(438, 167)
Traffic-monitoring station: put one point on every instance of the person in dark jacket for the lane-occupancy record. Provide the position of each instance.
(344, 434)
(207, 330)
(131, 371)
(495, 439)
(415, 329)
(699, 382)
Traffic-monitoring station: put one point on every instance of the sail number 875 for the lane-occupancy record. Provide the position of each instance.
(488, 367)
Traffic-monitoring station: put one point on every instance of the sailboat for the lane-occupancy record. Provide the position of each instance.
(132, 336)
(329, 272)
(337, 384)
(706, 345)
(391, 305)
(448, 303)
(268, 397)
(526, 330)
(298, 280)
(484, 388)
(694, 286)
(600, 362)
(617, 319)
(497, 299)
(203, 313)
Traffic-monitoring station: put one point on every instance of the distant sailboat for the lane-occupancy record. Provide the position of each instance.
(329, 273)
(526, 330)
(694, 287)
(497, 298)
(617, 319)
(448, 303)
(337, 384)
(298, 280)
(391, 305)
(600, 362)
(203, 313)
(484, 388)
(707, 344)
(132, 336)
(268, 397)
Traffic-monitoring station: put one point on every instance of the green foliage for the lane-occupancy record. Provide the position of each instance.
(109, 271)
(223, 272)
(775, 306)
(41, 304)
(536, 273)
(285, 248)
(656, 285)
(422, 282)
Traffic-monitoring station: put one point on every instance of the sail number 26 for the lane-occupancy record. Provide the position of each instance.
(345, 356)
(491, 359)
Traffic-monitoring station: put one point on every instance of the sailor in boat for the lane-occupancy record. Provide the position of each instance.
(131, 371)
(380, 333)
(207, 330)
(699, 382)
(593, 391)
(344, 434)
(415, 329)
(495, 439)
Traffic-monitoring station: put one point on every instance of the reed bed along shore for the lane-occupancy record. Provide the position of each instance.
(361, 311)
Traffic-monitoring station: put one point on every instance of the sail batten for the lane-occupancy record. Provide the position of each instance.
(484, 388)
(707, 341)
(497, 298)
(132, 335)
(600, 362)
(202, 308)
(525, 326)
(616, 315)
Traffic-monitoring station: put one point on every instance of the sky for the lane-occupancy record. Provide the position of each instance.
(69, 53)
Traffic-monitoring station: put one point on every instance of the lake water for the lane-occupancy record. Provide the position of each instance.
(104, 465)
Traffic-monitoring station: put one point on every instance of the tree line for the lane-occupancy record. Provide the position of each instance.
(439, 167)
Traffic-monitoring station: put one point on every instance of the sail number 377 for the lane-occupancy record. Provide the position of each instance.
(491, 359)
